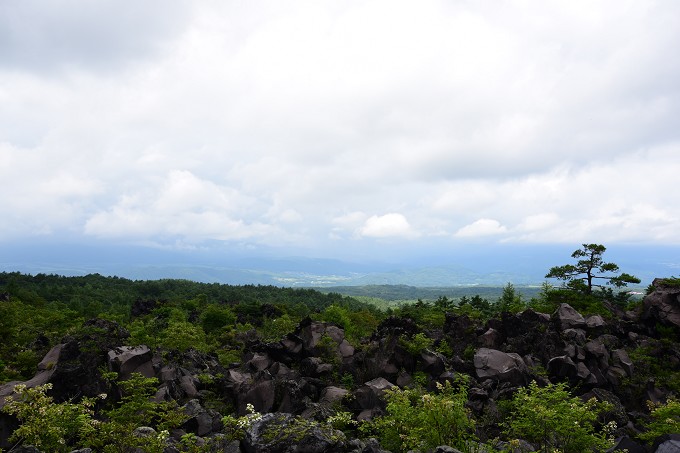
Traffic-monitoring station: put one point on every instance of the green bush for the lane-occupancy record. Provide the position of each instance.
(45, 424)
(135, 409)
(416, 344)
(555, 421)
(665, 420)
(418, 420)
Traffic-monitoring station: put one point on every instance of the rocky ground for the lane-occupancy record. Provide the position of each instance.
(298, 375)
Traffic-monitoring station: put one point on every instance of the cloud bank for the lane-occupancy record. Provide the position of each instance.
(327, 126)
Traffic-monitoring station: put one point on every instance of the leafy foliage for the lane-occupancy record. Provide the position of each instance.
(419, 420)
(136, 408)
(555, 421)
(45, 424)
(665, 420)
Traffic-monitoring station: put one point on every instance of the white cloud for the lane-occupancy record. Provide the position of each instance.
(388, 225)
(290, 124)
(481, 227)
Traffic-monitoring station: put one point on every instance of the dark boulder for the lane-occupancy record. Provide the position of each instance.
(566, 317)
(663, 304)
(628, 445)
(285, 433)
(131, 359)
(562, 367)
(500, 366)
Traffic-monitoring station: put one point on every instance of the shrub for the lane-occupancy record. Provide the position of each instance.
(47, 425)
(665, 420)
(418, 420)
(553, 420)
(136, 409)
(416, 344)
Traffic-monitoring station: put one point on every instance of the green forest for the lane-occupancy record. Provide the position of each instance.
(118, 365)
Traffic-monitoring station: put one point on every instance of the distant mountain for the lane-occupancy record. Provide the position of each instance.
(475, 266)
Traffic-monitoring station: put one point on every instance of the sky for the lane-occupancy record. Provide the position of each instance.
(339, 129)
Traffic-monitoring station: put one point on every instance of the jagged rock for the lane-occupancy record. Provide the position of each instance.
(523, 447)
(259, 362)
(620, 358)
(315, 367)
(584, 375)
(598, 351)
(663, 304)
(369, 395)
(577, 336)
(365, 446)
(568, 318)
(595, 323)
(284, 433)
(617, 412)
(379, 384)
(201, 421)
(292, 344)
(445, 449)
(77, 371)
(491, 338)
(336, 333)
(281, 371)
(188, 385)
(628, 445)
(26, 449)
(311, 333)
(236, 377)
(562, 367)
(615, 375)
(168, 373)
(131, 359)
(498, 365)
(292, 396)
(331, 395)
(668, 443)
(144, 432)
(433, 363)
(46, 369)
(345, 349)
(404, 379)
(261, 395)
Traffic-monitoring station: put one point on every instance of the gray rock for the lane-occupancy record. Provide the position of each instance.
(201, 421)
(568, 318)
(261, 396)
(663, 304)
(498, 365)
(144, 432)
(620, 358)
(577, 336)
(490, 339)
(599, 352)
(277, 432)
(669, 446)
(628, 445)
(46, 368)
(259, 362)
(595, 322)
(331, 395)
(131, 359)
(563, 367)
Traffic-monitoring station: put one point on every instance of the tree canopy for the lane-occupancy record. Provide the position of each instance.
(590, 269)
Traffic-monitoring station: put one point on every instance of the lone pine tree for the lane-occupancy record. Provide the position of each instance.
(590, 269)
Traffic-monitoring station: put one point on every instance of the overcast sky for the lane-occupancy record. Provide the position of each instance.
(334, 126)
